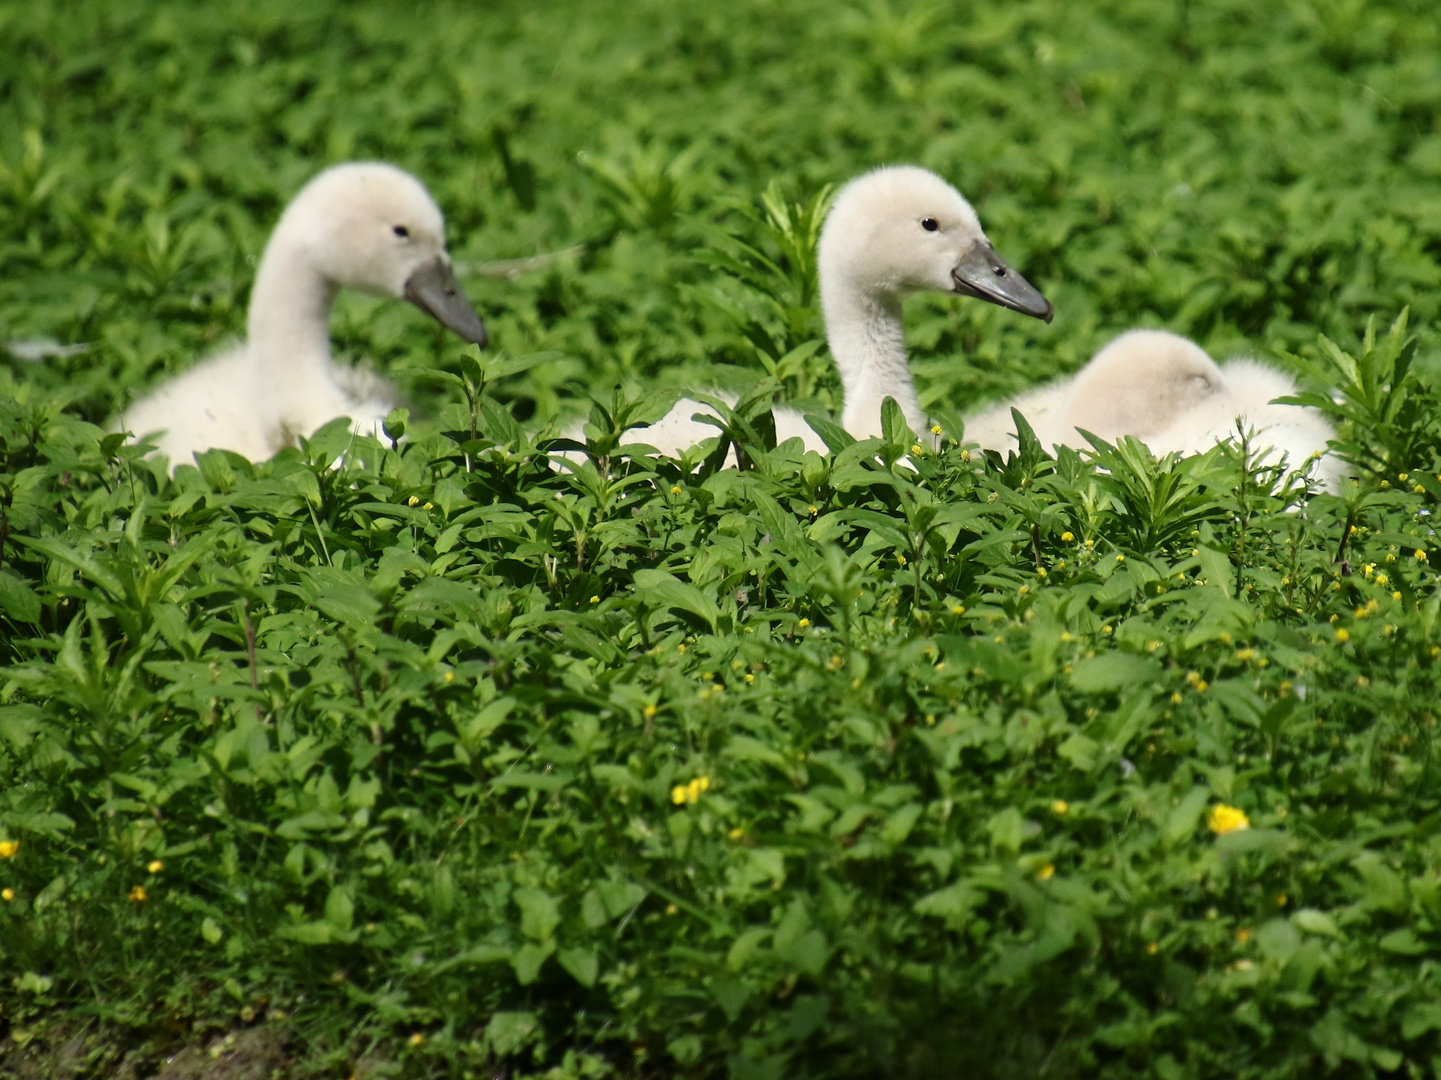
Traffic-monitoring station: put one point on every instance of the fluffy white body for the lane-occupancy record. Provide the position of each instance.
(1166, 391)
(890, 233)
(364, 225)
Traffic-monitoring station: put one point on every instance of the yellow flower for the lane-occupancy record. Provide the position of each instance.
(1153, 948)
(1245, 654)
(804, 623)
(1222, 819)
(1420, 555)
(689, 794)
(1061, 807)
(411, 501)
(1067, 536)
(450, 676)
(957, 609)
(1243, 935)
(750, 678)
(737, 833)
(814, 510)
(675, 491)
(155, 866)
(649, 712)
(671, 909)
(1046, 872)
(416, 1039)
(916, 449)
(137, 895)
(965, 457)
(428, 506)
(7, 895)
(901, 560)
(8, 848)
(1176, 698)
(595, 599)
(1281, 899)
(1396, 595)
(1343, 635)
(935, 429)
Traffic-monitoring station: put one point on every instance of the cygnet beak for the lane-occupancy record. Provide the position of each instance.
(986, 276)
(435, 291)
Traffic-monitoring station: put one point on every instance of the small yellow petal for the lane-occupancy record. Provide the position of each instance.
(8, 848)
(155, 866)
(1222, 819)
(1060, 807)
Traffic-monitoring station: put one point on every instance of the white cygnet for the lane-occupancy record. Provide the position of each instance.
(1165, 390)
(364, 225)
(890, 233)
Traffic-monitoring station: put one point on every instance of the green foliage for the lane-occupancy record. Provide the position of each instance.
(468, 758)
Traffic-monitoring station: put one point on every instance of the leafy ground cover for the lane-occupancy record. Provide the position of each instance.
(875, 762)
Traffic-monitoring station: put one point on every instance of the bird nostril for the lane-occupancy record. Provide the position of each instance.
(1000, 271)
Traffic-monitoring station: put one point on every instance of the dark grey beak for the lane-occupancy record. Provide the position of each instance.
(435, 291)
(986, 276)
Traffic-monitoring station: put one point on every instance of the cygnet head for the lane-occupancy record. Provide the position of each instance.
(903, 229)
(374, 227)
(1140, 382)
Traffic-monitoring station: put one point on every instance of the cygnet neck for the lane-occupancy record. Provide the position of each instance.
(289, 317)
(867, 341)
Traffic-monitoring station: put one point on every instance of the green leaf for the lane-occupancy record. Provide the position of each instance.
(17, 599)
(1181, 823)
(583, 964)
(1404, 942)
(656, 588)
(1114, 671)
(539, 913)
(1316, 922)
(528, 960)
(508, 1033)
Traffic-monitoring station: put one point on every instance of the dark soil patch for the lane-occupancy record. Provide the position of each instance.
(258, 1053)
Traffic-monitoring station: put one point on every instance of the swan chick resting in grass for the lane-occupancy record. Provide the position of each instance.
(1165, 390)
(363, 225)
(892, 232)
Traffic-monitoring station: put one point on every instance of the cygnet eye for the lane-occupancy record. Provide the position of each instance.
(930, 224)
(401, 231)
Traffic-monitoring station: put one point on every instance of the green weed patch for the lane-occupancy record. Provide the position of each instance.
(458, 759)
